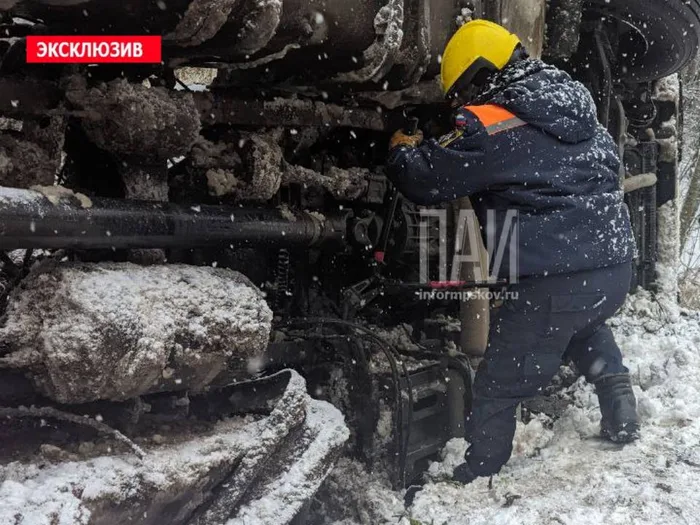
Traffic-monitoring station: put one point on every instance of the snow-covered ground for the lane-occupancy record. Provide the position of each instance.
(563, 473)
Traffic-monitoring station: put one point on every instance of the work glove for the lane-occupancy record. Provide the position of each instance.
(401, 139)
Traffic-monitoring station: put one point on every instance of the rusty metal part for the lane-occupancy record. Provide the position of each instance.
(345, 184)
(216, 108)
(147, 183)
(262, 158)
(201, 22)
(251, 167)
(24, 163)
(258, 25)
(245, 165)
(382, 54)
(563, 28)
(134, 120)
(415, 56)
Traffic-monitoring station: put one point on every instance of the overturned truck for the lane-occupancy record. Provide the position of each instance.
(210, 290)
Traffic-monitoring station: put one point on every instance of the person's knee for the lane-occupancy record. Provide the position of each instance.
(602, 366)
(597, 355)
(518, 377)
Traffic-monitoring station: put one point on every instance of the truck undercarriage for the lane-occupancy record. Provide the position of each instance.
(179, 249)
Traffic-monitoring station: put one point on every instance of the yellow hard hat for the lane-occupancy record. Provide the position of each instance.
(477, 46)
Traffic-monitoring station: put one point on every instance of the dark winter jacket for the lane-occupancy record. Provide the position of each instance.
(559, 170)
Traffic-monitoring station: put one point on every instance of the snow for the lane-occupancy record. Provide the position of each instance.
(16, 196)
(300, 482)
(117, 330)
(64, 492)
(668, 253)
(667, 89)
(465, 15)
(353, 495)
(450, 456)
(56, 194)
(561, 472)
(667, 137)
(174, 477)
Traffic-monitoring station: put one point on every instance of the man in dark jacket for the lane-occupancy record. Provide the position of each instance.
(529, 141)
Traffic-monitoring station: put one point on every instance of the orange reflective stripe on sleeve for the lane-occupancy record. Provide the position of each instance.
(495, 118)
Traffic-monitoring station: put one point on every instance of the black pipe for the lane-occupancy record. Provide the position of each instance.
(28, 219)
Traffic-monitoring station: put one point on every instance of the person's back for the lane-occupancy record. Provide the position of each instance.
(527, 142)
(554, 165)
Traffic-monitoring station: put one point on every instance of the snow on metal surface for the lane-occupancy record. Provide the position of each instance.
(19, 195)
(668, 89)
(118, 330)
(283, 498)
(174, 478)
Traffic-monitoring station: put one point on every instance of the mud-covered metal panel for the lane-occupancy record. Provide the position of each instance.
(114, 331)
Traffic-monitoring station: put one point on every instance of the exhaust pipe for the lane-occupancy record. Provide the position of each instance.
(31, 219)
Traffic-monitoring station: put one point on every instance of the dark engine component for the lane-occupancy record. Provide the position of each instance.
(29, 219)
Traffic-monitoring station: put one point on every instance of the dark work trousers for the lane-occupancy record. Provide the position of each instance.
(552, 317)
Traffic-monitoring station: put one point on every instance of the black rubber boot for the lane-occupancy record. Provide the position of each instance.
(463, 474)
(618, 407)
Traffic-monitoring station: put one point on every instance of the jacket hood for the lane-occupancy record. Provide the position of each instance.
(544, 97)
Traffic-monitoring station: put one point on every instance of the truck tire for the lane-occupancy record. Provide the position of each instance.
(666, 31)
